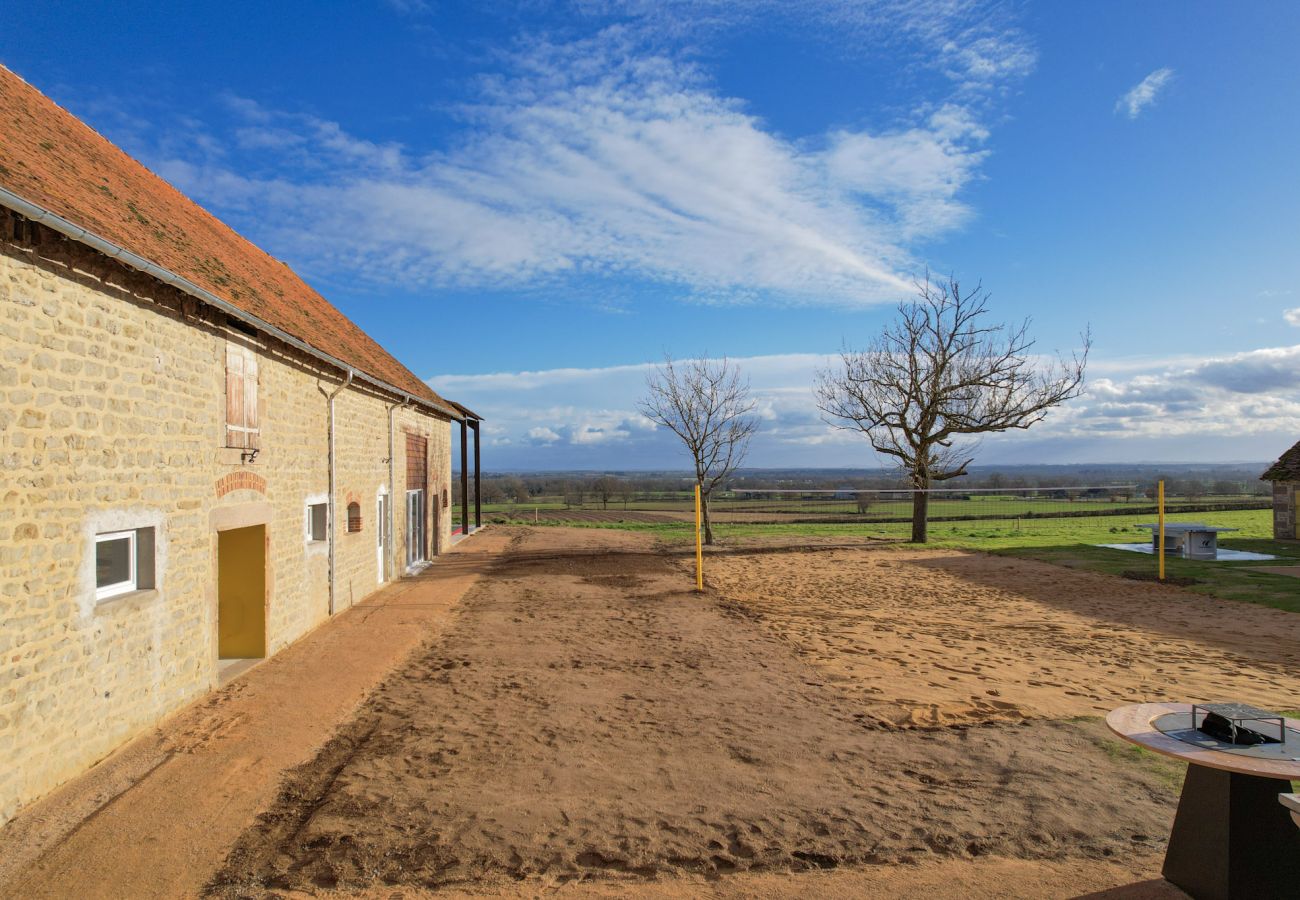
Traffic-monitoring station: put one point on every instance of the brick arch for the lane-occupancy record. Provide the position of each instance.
(240, 481)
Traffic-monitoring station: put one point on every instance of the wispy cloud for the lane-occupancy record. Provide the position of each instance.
(975, 44)
(1292, 316)
(408, 7)
(599, 164)
(1144, 93)
(611, 157)
(589, 418)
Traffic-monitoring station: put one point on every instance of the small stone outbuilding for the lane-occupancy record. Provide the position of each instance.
(1285, 475)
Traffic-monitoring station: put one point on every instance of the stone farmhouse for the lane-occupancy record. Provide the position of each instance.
(1285, 475)
(201, 459)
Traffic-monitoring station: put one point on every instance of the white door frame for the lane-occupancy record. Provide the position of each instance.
(383, 528)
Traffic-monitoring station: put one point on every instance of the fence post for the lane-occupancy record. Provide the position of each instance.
(1160, 526)
(699, 546)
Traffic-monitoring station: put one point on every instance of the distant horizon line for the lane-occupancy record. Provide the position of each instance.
(881, 469)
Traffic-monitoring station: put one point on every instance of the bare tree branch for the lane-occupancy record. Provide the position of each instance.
(708, 406)
(938, 375)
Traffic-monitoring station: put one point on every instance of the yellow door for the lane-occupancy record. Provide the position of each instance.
(241, 593)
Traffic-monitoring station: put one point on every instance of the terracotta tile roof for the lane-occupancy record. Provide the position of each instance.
(1287, 468)
(54, 160)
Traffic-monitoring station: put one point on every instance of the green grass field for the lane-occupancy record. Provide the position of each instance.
(994, 506)
(1065, 542)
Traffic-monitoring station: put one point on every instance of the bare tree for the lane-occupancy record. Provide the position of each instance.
(490, 491)
(1225, 488)
(605, 488)
(574, 494)
(514, 489)
(707, 404)
(939, 374)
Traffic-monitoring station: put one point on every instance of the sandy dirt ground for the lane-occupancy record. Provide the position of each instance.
(158, 818)
(941, 637)
(967, 879)
(584, 725)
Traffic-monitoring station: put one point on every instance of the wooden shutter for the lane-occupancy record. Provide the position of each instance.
(241, 398)
(417, 463)
(253, 435)
(235, 434)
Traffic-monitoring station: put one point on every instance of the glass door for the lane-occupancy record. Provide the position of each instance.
(414, 527)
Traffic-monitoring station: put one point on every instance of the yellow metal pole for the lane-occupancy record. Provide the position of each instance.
(699, 545)
(1160, 525)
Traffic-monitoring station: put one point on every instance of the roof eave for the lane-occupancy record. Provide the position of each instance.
(466, 411)
(37, 213)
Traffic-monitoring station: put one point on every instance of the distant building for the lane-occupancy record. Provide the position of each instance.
(1285, 475)
(201, 459)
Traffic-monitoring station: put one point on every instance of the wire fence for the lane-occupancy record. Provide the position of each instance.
(881, 505)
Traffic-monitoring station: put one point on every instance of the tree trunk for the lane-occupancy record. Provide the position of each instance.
(920, 509)
(704, 513)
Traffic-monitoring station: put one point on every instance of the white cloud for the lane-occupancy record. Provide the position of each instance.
(607, 158)
(589, 416)
(919, 169)
(1292, 316)
(1144, 93)
(979, 63)
(541, 435)
(975, 44)
(1243, 405)
(1255, 372)
(1242, 396)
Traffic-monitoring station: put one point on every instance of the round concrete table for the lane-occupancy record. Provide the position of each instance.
(1231, 837)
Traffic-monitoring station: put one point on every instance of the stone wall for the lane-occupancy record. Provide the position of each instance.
(363, 474)
(112, 417)
(1284, 511)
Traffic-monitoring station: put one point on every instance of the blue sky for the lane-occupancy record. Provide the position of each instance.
(561, 192)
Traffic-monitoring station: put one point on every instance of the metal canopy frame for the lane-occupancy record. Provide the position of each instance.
(467, 424)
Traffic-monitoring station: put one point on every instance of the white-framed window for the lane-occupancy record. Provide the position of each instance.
(124, 562)
(318, 520)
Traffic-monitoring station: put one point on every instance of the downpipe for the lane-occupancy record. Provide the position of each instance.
(333, 506)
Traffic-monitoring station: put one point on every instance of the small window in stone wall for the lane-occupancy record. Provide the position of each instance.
(446, 500)
(317, 522)
(354, 517)
(124, 562)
